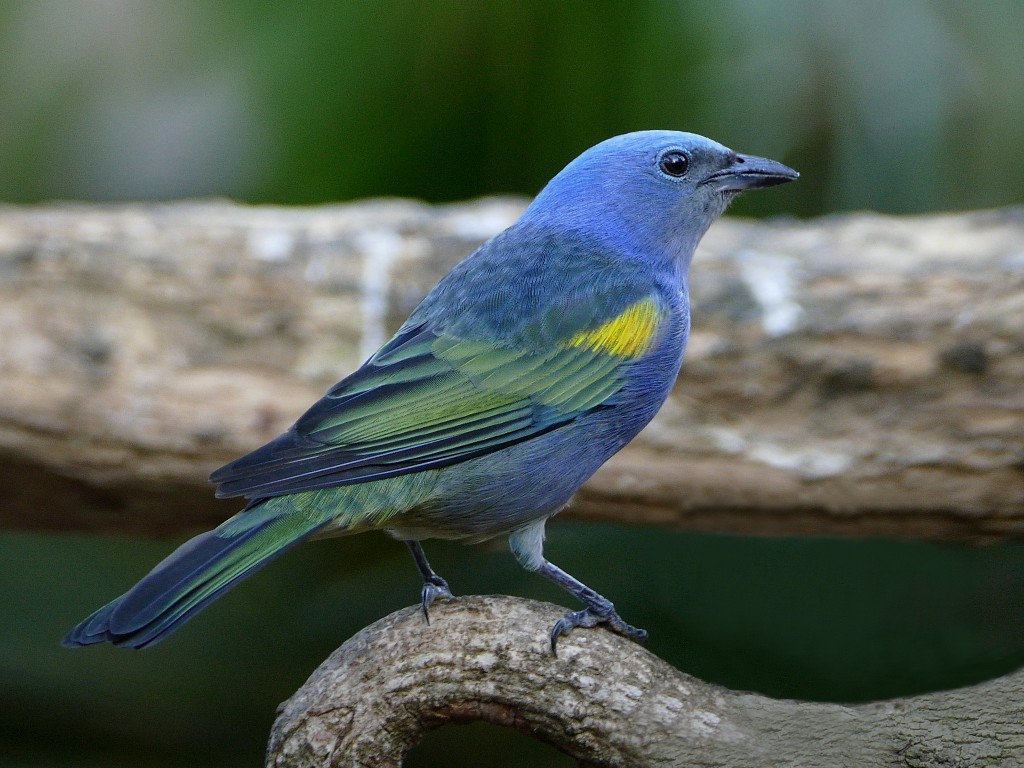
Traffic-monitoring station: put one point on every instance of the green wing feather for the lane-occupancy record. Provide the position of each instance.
(429, 399)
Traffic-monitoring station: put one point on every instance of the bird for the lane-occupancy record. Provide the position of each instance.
(523, 370)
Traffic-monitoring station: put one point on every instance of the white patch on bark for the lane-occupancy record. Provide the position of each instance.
(771, 280)
(270, 244)
(380, 249)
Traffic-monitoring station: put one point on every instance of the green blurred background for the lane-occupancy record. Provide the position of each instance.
(898, 107)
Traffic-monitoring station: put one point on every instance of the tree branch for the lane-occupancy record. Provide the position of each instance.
(850, 375)
(608, 702)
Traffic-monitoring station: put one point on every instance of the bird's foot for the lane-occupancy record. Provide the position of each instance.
(589, 617)
(433, 588)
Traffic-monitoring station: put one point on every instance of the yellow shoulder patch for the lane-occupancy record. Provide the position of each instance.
(628, 335)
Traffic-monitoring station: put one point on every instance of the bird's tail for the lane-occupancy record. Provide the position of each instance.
(195, 574)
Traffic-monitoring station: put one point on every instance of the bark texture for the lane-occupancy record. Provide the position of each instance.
(607, 702)
(849, 375)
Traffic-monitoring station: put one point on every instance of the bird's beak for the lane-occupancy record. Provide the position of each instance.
(750, 172)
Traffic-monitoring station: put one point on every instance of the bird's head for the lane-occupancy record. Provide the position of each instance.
(652, 193)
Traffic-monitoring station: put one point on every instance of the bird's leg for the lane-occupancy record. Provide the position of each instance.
(433, 585)
(599, 610)
(527, 545)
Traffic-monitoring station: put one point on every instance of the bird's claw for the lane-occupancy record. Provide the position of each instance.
(433, 588)
(588, 617)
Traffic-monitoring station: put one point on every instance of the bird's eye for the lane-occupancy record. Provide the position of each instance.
(675, 163)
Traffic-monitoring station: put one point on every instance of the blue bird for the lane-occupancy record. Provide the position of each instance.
(530, 364)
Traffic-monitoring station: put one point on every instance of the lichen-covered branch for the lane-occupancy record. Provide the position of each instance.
(859, 374)
(608, 702)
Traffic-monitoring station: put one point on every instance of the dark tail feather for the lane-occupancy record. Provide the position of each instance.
(194, 575)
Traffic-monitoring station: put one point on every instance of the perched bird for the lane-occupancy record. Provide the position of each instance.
(532, 362)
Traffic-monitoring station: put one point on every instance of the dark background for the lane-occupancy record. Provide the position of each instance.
(897, 107)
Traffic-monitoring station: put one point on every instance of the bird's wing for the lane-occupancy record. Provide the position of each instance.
(430, 399)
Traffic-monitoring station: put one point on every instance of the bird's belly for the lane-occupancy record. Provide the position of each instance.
(495, 494)
(498, 493)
